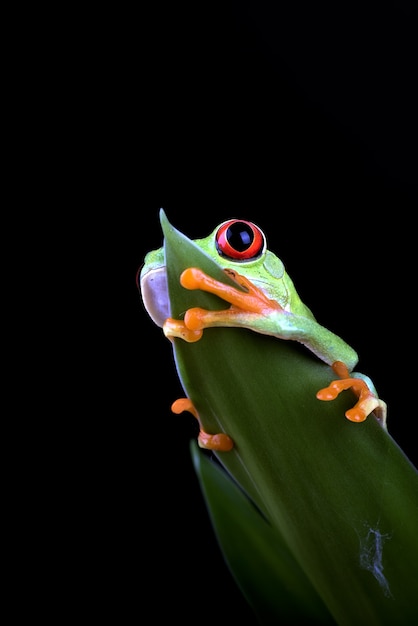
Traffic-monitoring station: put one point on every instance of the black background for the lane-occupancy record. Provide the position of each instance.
(299, 117)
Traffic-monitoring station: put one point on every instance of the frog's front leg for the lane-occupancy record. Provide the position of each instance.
(219, 442)
(249, 309)
(367, 402)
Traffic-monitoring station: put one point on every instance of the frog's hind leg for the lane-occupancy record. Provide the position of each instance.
(368, 401)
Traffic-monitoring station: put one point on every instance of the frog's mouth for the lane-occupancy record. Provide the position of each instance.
(154, 291)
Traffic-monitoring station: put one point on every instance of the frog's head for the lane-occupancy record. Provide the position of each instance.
(234, 244)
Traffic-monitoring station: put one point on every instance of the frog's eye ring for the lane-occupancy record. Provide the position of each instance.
(240, 240)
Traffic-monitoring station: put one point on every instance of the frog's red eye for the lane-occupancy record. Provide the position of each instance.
(239, 240)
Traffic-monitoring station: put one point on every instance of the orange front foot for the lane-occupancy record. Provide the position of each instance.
(248, 303)
(367, 400)
(219, 442)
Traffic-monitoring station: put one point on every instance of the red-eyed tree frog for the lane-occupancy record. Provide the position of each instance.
(265, 301)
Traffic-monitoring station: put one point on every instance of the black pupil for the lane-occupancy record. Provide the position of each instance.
(239, 236)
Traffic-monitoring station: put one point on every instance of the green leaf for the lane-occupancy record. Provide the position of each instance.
(343, 496)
